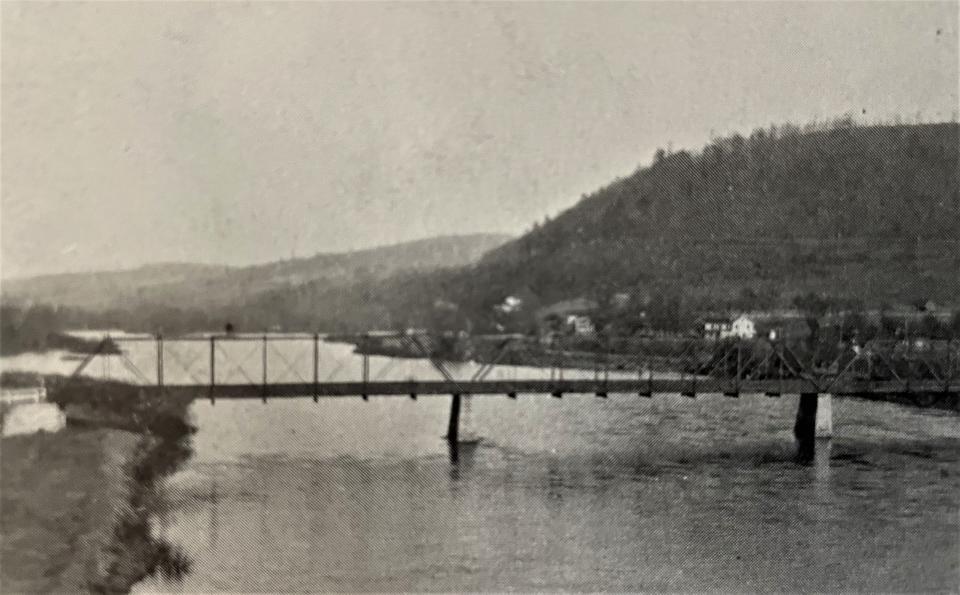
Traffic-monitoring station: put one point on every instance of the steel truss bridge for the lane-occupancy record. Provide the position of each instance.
(263, 366)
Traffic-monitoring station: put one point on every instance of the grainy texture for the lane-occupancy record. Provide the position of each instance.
(701, 236)
(61, 494)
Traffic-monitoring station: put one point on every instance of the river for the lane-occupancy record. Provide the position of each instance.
(578, 493)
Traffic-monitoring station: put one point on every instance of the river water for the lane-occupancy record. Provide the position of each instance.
(578, 493)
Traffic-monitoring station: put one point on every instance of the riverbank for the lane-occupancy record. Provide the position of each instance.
(76, 505)
(59, 494)
(663, 355)
(16, 342)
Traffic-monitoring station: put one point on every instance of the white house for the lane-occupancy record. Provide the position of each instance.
(742, 327)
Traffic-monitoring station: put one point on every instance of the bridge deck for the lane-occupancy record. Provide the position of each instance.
(506, 387)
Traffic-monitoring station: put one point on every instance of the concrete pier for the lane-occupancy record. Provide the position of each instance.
(824, 425)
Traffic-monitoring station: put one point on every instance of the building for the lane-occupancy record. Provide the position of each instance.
(716, 327)
(743, 327)
(772, 325)
(581, 325)
(723, 327)
(569, 317)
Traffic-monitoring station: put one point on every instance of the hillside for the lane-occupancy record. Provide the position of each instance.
(861, 215)
(192, 286)
(864, 212)
(99, 288)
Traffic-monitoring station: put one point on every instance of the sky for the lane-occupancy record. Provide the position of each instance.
(238, 133)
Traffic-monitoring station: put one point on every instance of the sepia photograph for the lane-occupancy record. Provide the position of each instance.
(479, 297)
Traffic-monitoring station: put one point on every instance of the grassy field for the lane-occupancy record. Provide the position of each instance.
(76, 505)
(60, 495)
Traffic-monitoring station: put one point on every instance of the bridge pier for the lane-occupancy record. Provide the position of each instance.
(453, 427)
(805, 427)
(824, 426)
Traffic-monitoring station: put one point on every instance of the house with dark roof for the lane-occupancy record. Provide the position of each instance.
(568, 317)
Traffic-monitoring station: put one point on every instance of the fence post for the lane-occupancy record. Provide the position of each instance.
(213, 368)
(160, 360)
(647, 348)
(739, 363)
(639, 374)
(316, 366)
(365, 372)
(105, 369)
(605, 354)
(909, 363)
(263, 353)
(781, 369)
(560, 361)
(949, 374)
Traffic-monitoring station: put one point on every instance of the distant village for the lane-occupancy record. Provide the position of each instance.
(584, 324)
(586, 318)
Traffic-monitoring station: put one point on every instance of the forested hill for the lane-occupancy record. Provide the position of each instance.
(861, 214)
(192, 286)
(864, 212)
(783, 210)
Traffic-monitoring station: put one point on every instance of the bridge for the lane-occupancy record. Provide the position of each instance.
(265, 366)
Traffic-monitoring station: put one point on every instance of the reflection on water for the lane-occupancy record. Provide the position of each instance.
(581, 493)
(821, 462)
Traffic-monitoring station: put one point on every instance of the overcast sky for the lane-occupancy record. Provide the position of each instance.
(240, 133)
